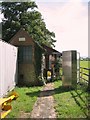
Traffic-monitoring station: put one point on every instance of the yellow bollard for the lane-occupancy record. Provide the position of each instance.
(48, 75)
(5, 106)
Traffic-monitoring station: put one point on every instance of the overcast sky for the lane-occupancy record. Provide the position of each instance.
(69, 20)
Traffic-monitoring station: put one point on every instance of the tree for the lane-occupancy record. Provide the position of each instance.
(24, 14)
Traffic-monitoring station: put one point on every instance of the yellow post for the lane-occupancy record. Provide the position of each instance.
(5, 106)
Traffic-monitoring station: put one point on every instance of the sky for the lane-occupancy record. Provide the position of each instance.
(68, 19)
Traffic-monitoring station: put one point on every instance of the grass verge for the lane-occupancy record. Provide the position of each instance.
(70, 103)
(25, 101)
(84, 64)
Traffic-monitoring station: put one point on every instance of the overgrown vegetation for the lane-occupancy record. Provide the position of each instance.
(25, 101)
(38, 62)
(70, 103)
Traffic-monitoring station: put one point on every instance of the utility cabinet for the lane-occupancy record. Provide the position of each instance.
(8, 67)
(69, 67)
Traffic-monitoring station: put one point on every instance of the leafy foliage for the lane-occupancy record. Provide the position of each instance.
(26, 15)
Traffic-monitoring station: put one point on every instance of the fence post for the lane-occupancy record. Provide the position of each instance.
(89, 95)
(81, 74)
(89, 81)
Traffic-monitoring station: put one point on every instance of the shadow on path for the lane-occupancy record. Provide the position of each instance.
(45, 93)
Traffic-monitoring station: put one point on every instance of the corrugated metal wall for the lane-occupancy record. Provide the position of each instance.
(8, 67)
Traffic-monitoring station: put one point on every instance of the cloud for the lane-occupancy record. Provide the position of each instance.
(69, 21)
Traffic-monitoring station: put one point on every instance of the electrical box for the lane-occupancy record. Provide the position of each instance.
(8, 67)
(69, 67)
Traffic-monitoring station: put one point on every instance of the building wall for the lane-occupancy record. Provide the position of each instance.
(26, 71)
(27, 74)
(22, 33)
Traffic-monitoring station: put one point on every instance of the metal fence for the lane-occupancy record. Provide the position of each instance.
(8, 67)
(85, 76)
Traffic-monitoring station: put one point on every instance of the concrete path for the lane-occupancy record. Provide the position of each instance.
(44, 106)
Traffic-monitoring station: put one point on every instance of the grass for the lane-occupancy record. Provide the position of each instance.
(25, 101)
(84, 63)
(70, 103)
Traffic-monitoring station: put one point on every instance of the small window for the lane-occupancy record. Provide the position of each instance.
(25, 54)
(21, 39)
